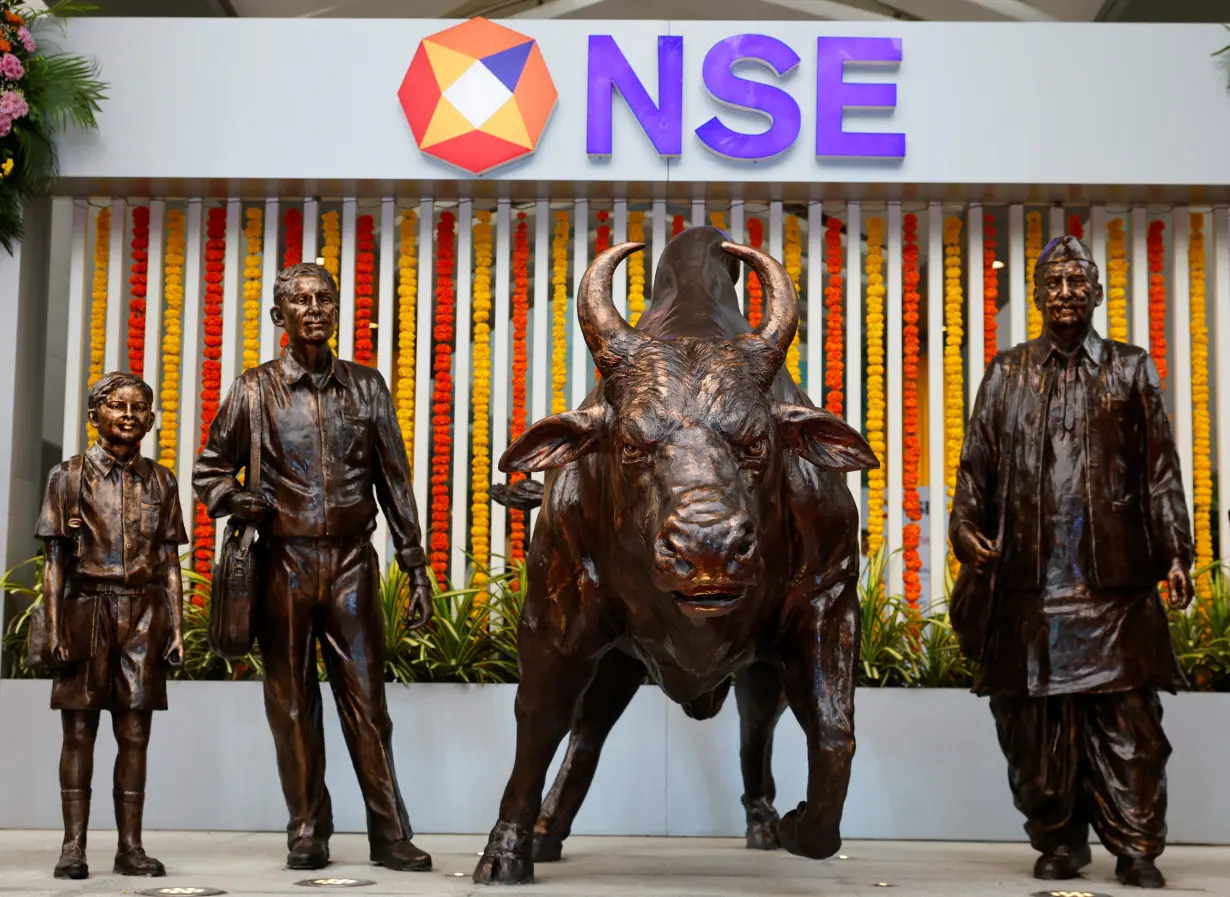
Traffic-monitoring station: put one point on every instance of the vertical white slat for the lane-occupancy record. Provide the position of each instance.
(659, 243)
(1181, 358)
(1097, 245)
(974, 324)
(620, 235)
(311, 229)
(736, 234)
(1140, 279)
(387, 318)
(854, 339)
(269, 274)
(426, 258)
(500, 363)
(698, 213)
(937, 499)
(540, 350)
(1221, 360)
(894, 381)
(815, 302)
(345, 299)
(115, 355)
(78, 334)
(1055, 222)
(776, 235)
(153, 318)
(232, 309)
(581, 361)
(1018, 302)
(461, 395)
(189, 372)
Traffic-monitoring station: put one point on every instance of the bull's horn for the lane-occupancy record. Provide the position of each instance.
(610, 338)
(781, 318)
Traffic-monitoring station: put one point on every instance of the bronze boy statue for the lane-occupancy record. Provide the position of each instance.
(330, 446)
(1069, 509)
(111, 526)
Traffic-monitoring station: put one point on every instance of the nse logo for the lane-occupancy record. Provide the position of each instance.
(478, 96)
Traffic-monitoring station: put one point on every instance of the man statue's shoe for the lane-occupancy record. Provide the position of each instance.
(401, 856)
(134, 861)
(1062, 864)
(308, 853)
(1139, 873)
(72, 862)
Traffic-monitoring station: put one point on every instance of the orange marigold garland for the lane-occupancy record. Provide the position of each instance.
(602, 242)
(442, 394)
(954, 399)
(911, 302)
(876, 405)
(520, 370)
(1116, 281)
(1202, 441)
(793, 258)
(990, 292)
(1157, 298)
(834, 348)
(364, 285)
(755, 307)
(292, 245)
(137, 287)
(407, 297)
(718, 220)
(480, 403)
(636, 268)
(1076, 227)
(253, 234)
(1033, 249)
(172, 338)
(677, 225)
(98, 304)
(211, 369)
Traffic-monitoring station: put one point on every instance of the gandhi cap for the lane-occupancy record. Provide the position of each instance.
(1064, 249)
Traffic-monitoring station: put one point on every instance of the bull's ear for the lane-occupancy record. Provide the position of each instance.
(555, 441)
(823, 438)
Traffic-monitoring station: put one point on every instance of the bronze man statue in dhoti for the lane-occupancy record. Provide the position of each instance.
(330, 446)
(1069, 509)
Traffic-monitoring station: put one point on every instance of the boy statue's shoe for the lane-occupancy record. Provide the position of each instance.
(1139, 873)
(72, 862)
(1062, 864)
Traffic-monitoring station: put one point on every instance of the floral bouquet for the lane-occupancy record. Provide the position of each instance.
(42, 91)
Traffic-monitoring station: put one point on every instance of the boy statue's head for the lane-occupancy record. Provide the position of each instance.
(121, 407)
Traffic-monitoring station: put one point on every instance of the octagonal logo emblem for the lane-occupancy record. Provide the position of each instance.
(478, 95)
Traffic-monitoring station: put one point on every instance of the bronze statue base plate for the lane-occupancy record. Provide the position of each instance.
(335, 883)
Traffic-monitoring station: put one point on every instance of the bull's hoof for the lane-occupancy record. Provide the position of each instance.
(548, 848)
(504, 869)
(762, 834)
(805, 838)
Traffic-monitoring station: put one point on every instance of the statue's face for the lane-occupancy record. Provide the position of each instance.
(123, 417)
(1067, 294)
(308, 312)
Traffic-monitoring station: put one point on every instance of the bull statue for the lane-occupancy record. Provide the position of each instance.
(695, 528)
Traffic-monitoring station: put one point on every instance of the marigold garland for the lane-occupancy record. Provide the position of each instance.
(253, 235)
(211, 369)
(990, 292)
(520, 370)
(1117, 280)
(1076, 227)
(172, 338)
(602, 242)
(677, 225)
(755, 308)
(364, 286)
(137, 290)
(292, 245)
(442, 394)
(1033, 249)
(834, 347)
(954, 400)
(876, 406)
(407, 297)
(793, 257)
(98, 305)
(636, 268)
(718, 220)
(1202, 442)
(331, 252)
(480, 402)
(911, 301)
(1157, 298)
(559, 314)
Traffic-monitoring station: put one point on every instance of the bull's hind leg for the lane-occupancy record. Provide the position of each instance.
(615, 685)
(759, 696)
(819, 659)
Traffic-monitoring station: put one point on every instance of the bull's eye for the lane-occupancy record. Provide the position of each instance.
(632, 454)
(756, 451)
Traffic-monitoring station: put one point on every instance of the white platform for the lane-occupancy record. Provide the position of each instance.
(927, 765)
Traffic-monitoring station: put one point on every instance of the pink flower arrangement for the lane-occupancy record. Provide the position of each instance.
(27, 39)
(13, 105)
(11, 67)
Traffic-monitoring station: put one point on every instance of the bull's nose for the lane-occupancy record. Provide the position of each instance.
(721, 552)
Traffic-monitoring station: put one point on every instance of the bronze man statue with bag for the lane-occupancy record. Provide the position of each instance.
(111, 623)
(1069, 509)
(320, 441)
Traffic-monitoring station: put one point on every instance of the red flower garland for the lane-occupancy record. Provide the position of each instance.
(520, 367)
(602, 242)
(211, 368)
(137, 287)
(990, 292)
(364, 269)
(755, 304)
(1075, 228)
(1157, 298)
(677, 225)
(911, 346)
(292, 245)
(442, 395)
(834, 367)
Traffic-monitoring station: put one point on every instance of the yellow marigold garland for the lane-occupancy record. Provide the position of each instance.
(1117, 279)
(636, 268)
(718, 220)
(331, 233)
(954, 387)
(173, 337)
(480, 401)
(559, 314)
(876, 405)
(1202, 445)
(794, 267)
(98, 305)
(253, 234)
(1033, 249)
(407, 296)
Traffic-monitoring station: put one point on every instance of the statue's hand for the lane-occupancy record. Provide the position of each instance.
(418, 614)
(248, 506)
(174, 653)
(1180, 582)
(975, 548)
(56, 647)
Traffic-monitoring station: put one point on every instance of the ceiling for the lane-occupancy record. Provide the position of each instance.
(744, 10)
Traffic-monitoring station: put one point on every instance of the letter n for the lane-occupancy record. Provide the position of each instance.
(609, 71)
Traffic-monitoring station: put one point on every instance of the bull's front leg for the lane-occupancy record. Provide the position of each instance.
(819, 664)
(758, 692)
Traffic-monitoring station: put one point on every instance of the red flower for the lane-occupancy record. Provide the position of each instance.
(834, 347)
(910, 369)
(442, 394)
(364, 266)
(755, 234)
(137, 289)
(520, 365)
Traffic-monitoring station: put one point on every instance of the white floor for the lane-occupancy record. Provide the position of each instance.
(250, 865)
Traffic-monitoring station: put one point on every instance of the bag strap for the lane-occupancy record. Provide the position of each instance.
(76, 478)
(252, 479)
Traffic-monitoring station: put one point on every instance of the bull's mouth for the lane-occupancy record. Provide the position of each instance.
(707, 603)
